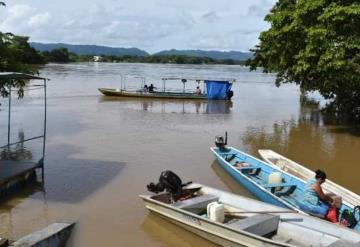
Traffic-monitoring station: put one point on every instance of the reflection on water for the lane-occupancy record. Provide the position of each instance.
(309, 142)
(161, 229)
(9, 218)
(229, 181)
(66, 186)
(173, 105)
(18, 152)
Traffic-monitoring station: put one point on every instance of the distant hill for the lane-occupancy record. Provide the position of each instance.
(217, 55)
(90, 49)
(105, 50)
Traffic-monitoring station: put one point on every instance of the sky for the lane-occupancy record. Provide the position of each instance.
(151, 25)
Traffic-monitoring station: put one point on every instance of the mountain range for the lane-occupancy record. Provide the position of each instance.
(217, 55)
(105, 50)
(90, 49)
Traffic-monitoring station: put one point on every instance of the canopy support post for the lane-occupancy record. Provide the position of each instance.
(9, 116)
(44, 138)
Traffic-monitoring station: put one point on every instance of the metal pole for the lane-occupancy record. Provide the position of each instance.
(44, 140)
(45, 116)
(164, 85)
(9, 116)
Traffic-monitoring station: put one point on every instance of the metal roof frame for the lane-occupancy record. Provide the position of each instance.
(20, 76)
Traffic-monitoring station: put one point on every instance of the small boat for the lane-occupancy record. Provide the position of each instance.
(303, 173)
(155, 94)
(212, 90)
(232, 220)
(268, 183)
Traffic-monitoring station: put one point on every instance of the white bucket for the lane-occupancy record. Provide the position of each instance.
(275, 178)
(216, 212)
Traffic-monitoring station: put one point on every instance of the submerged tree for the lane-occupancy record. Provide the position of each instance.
(315, 44)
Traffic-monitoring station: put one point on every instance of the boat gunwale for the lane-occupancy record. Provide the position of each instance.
(253, 182)
(166, 94)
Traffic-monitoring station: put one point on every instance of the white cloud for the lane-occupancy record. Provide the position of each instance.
(39, 20)
(23, 20)
(152, 25)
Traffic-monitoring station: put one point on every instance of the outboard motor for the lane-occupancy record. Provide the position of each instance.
(169, 182)
(221, 142)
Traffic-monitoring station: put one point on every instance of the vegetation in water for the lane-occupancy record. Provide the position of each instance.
(173, 59)
(315, 44)
(62, 55)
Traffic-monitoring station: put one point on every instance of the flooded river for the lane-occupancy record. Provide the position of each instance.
(101, 152)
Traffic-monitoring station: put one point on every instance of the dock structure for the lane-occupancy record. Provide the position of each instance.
(54, 235)
(17, 166)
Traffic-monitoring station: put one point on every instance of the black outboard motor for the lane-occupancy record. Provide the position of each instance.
(221, 142)
(169, 182)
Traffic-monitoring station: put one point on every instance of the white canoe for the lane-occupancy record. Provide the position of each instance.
(289, 166)
(272, 227)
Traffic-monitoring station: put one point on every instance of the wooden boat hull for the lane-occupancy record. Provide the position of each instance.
(305, 174)
(257, 184)
(319, 233)
(156, 95)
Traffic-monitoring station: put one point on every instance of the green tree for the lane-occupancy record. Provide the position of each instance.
(315, 44)
(16, 55)
(60, 55)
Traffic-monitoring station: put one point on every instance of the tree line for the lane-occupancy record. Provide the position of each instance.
(62, 55)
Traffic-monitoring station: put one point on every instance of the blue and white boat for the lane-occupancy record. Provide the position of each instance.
(268, 183)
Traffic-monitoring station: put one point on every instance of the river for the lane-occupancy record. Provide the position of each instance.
(101, 152)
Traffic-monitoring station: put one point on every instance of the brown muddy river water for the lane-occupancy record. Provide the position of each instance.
(101, 152)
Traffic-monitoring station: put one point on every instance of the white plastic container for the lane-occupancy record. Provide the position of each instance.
(216, 212)
(275, 178)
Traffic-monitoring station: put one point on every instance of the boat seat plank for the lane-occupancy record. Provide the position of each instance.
(260, 224)
(196, 203)
(248, 168)
(274, 185)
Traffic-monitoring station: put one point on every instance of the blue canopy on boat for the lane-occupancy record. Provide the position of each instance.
(217, 89)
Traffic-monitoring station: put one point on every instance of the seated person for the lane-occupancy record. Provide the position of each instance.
(241, 164)
(315, 201)
(198, 90)
(151, 88)
(244, 164)
(146, 88)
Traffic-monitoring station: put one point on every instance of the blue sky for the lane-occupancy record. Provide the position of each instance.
(152, 25)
